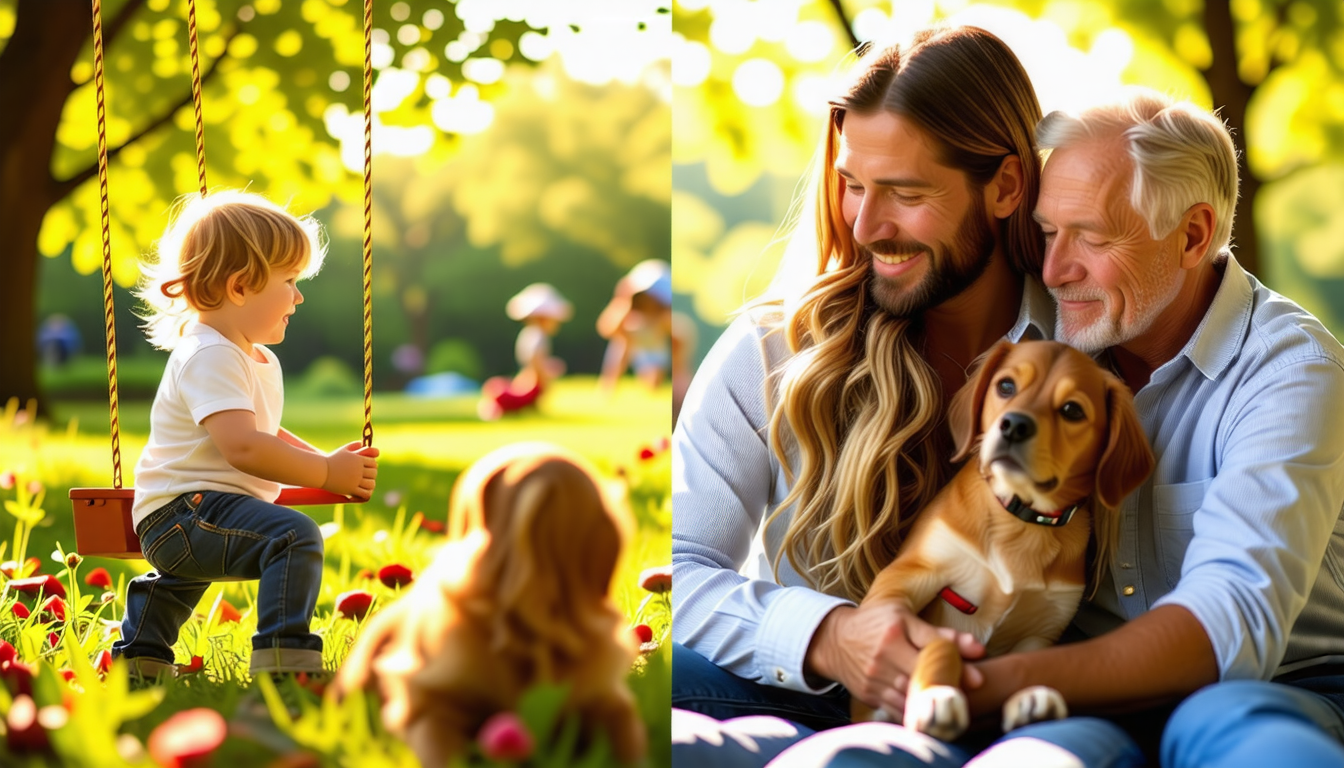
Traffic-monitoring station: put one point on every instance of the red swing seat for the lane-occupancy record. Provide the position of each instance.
(103, 526)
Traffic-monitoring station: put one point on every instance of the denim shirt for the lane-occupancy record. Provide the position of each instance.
(727, 605)
(1241, 522)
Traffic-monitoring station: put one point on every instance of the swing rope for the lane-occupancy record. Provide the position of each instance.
(110, 325)
(368, 223)
(196, 93)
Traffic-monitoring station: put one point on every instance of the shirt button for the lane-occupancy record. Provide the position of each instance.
(1126, 566)
(779, 675)
(1128, 591)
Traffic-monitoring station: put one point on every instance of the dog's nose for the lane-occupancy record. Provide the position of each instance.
(1017, 427)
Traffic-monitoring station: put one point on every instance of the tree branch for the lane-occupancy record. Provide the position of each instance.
(63, 187)
(118, 22)
(845, 22)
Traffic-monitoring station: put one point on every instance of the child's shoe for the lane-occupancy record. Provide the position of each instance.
(147, 670)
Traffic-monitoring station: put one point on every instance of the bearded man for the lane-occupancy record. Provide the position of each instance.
(814, 430)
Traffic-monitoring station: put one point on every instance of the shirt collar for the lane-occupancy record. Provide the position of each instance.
(1218, 339)
(1036, 316)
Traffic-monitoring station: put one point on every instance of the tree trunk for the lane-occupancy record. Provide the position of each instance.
(34, 84)
(1232, 95)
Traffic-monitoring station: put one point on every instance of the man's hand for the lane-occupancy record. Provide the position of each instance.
(871, 650)
(352, 470)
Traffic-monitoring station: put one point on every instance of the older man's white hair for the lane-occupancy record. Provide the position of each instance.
(1182, 156)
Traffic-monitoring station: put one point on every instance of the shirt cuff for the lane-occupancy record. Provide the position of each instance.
(1231, 649)
(786, 632)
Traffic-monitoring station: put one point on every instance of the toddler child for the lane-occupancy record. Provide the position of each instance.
(225, 286)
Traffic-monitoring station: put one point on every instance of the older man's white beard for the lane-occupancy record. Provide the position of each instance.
(1107, 331)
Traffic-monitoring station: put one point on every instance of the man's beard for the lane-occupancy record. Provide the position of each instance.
(951, 269)
(1152, 294)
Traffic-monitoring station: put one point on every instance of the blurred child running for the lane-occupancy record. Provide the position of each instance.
(225, 285)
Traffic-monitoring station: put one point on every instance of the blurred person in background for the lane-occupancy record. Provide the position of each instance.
(541, 309)
(637, 323)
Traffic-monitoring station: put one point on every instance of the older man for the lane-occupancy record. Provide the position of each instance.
(1231, 558)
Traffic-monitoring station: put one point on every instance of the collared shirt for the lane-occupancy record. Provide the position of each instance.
(726, 481)
(1241, 521)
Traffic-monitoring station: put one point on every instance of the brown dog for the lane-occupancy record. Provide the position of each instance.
(519, 598)
(1001, 551)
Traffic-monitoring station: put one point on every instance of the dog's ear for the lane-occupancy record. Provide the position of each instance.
(963, 417)
(1127, 459)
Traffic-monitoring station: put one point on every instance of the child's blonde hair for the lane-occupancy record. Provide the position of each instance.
(212, 238)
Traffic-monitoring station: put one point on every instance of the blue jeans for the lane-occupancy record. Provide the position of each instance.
(200, 538)
(724, 721)
(1255, 723)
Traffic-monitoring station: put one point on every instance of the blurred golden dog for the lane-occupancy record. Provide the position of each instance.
(1001, 552)
(519, 598)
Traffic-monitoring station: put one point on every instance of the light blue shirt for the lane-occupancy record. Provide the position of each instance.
(1241, 522)
(726, 603)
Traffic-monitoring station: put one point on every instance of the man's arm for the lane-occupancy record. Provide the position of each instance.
(1159, 656)
(722, 482)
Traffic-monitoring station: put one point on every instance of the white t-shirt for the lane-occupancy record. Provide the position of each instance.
(206, 374)
(532, 341)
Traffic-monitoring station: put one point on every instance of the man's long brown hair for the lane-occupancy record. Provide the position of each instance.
(857, 419)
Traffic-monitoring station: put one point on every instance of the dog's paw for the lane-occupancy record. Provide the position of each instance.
(939, 711)
(1033, 705)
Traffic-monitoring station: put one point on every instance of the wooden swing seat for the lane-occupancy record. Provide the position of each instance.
(103, 526)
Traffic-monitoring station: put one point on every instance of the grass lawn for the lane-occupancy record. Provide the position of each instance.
(425, 444)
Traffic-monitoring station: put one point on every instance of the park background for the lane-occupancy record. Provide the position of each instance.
(751, 80)
(514, 142)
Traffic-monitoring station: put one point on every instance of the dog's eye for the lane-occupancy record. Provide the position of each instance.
(1006, 387)
(1072, 411)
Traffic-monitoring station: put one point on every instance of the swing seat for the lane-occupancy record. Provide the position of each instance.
(103, 526)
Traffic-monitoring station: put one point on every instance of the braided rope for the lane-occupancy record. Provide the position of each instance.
(108, 315)
(196, 93)
(368, 223)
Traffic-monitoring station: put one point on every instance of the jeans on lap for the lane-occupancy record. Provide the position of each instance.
(223, 537)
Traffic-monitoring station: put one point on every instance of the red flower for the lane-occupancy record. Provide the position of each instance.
(7, 653)
(365, 573)
(354, 604)
(12, 569)
(18, 676)
(36, 584)
(103, 663)
(504, 737)
(99, 577)
(664, 443)
(395, 575)
(646, 453)
(227, 612)
(433, 526)
(657, 579)
(54, 607)
(196, 665)
(68, 674)
(7, 480)
(187, 737)
(25, 733)
(53, 639)
(644, 632)
(20, 610)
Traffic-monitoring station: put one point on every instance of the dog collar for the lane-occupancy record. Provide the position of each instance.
(1052, 519)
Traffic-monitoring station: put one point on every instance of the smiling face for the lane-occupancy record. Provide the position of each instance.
(924, 228)
(1044, 424)
(264, 315)
(1111, 280)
